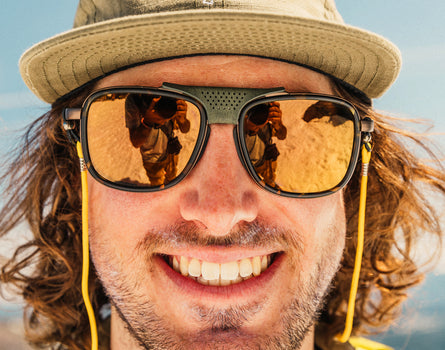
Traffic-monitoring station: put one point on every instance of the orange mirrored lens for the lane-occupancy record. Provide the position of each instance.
(140, 138)
(301, 145)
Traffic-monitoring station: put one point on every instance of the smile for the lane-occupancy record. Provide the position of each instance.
(214, 274)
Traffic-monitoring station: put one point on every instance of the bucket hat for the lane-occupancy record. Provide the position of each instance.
(109, 35)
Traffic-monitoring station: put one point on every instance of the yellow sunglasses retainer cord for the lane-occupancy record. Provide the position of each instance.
(85, 249)
(366, 156)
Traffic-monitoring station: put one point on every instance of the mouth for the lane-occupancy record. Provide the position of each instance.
(220, 275)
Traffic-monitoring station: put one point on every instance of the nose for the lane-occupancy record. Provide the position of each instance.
(219, 194)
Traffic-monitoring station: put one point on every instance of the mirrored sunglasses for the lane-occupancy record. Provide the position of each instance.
(148, 139)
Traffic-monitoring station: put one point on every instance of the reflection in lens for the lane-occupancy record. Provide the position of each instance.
(141, 139)
(314, 155)
(263, 123)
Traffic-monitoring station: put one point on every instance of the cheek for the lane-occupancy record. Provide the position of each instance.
(327, 214)
(318, 223)
(328, 225)
(125, 217)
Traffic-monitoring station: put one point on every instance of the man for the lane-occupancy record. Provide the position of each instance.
(151, 124)
(263, 123)
(216, 258)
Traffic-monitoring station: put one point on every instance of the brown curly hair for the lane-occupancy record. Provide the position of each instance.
(43, 188)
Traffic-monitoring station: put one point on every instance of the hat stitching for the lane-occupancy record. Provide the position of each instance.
(79, 50)
(326, 9)
(45, 74)
(103, 70)
(221, 20)
(291, 23)
(60, 76)
(334, 68)
(175, 21)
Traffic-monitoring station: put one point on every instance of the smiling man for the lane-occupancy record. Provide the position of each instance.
(223, 142)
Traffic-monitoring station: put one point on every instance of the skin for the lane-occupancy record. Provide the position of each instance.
(198, 215)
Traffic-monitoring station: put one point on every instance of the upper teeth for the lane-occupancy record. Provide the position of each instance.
(215, 274)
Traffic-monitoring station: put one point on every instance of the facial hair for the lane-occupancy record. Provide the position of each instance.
(222, 327)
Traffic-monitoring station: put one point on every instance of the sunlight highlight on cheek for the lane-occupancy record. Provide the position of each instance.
(316, 221)
(127, 215)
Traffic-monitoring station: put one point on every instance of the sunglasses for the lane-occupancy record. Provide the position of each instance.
(148, 139)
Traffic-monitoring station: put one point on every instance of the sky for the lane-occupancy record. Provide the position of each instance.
(416, 27)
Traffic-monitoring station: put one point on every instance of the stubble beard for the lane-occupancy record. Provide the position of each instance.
(223, 326)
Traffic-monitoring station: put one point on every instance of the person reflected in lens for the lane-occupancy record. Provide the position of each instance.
(321, 109)
(152, 122)
(262, 123)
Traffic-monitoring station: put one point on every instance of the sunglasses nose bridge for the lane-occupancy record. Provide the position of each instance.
(222, 104)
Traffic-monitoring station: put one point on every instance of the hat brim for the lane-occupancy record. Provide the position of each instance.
(69, 60)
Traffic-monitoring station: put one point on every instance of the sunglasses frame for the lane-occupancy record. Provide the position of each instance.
(194, 95)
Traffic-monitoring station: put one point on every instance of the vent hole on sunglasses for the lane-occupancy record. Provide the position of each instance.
(223, 100)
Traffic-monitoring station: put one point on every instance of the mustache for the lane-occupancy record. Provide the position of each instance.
(245, 235)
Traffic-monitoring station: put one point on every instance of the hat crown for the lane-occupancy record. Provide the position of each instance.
(94, 11)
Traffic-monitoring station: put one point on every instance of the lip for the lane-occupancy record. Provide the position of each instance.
(240, 290)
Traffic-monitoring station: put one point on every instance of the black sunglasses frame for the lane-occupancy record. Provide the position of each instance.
(71, 115)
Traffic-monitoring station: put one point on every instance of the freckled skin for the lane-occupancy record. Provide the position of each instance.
(217, 198)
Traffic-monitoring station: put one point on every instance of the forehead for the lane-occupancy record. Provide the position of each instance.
(221, 70)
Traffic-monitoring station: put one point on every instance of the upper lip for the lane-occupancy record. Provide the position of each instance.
(218, 255)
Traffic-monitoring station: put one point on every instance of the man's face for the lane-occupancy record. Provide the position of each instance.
(217, 216)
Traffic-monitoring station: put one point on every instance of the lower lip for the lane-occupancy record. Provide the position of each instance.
(239, 290)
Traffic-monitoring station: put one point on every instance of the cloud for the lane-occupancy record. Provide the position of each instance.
(423, 254)
(417, 322)
(21, 99)
(432, 56)
(440, 268)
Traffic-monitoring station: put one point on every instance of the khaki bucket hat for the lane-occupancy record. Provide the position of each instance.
(109, 35)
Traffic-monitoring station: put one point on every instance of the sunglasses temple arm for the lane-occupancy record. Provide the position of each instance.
(85, 249)
(366, 157)
(70, 119)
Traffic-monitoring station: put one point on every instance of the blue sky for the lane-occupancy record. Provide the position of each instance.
(416, 27)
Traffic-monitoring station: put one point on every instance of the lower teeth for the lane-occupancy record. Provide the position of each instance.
(219, 283)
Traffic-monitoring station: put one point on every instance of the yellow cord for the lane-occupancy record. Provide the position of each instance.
(85, 250)
(366, 156)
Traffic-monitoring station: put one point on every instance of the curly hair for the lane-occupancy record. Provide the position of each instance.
(43, 188)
